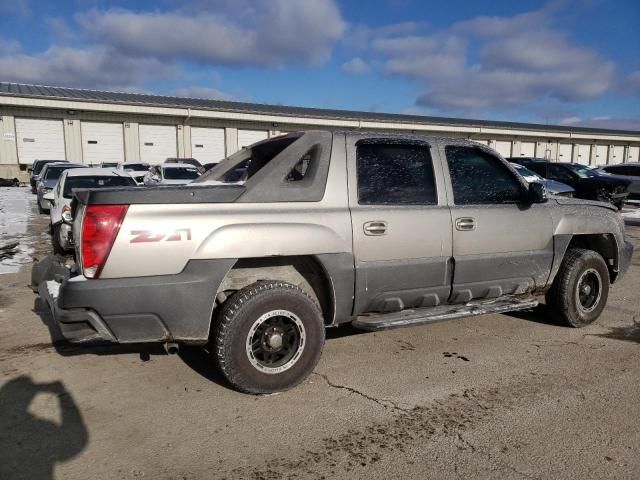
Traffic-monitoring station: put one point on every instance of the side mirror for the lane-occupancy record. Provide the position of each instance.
(536, 193)
(49, 196)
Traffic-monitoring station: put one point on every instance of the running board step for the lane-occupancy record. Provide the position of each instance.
(419, 316)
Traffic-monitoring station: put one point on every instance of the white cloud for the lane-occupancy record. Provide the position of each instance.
(92, 67)
(613, 123)
(570, 120)
(495, 62)
(124, 49)
(356, 66)
(276, 33)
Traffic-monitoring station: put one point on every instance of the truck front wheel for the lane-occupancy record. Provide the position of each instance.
(268, 337)
(580, 289)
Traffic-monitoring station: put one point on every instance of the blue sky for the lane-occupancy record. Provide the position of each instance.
(572, 62)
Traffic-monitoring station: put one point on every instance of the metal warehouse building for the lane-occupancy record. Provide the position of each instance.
(87, 126)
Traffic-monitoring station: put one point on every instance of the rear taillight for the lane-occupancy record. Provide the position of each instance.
(100, 226)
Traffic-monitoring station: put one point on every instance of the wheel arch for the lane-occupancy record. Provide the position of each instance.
(313, 274)
(604, 244)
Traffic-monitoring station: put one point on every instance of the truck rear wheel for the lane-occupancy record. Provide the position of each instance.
(268, 337)
(580, 289)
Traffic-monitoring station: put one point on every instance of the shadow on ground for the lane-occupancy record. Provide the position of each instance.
(30, 445)
(630, 333)
(539, 314)
(197, 358)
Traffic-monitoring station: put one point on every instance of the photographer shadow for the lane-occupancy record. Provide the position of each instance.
(30, 445)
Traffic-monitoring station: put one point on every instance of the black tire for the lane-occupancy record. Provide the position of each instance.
(55, 241)
(580, 290)
(41, 210)
(242, 332)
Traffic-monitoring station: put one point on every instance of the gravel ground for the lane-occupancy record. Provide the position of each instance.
(498, 396)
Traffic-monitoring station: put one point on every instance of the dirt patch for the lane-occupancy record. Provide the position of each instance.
(26, 349)
(342, 456)
(5, 300)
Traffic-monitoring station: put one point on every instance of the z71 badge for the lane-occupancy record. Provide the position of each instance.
(146, 236)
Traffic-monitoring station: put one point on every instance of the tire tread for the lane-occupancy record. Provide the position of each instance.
(558, 297)
(226, 318)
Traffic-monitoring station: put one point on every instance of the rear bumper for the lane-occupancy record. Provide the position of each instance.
(76, 325)
(140, 309)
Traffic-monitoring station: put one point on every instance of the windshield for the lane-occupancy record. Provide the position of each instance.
(39, 165)
(53, 172)
(181, 173)
(528, 174)
(136, 167)
(73, 183)
(582, 171)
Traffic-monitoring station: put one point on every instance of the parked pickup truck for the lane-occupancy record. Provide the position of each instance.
(318, 229)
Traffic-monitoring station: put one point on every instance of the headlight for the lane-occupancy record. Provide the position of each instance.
(66, 214)
(42, 189)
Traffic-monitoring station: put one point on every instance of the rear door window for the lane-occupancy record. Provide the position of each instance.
(394, 174)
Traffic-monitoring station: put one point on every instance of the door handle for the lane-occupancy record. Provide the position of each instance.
(465, 224)
(376, 227)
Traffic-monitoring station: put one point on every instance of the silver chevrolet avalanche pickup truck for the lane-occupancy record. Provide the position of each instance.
(318, 229)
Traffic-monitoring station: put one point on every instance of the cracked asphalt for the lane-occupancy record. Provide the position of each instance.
(497, 396)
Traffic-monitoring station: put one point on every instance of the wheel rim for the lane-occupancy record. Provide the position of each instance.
(589, 290)
(275, 341)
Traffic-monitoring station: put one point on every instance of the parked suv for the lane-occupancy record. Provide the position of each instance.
(49, 176)
(60, 199)
(587, 182)
(171, 174)
(137, 170)
(629, 171)
(323, 229)
(35, 170)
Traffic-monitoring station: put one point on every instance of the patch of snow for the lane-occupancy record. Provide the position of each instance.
(16, 212)
(631, 217)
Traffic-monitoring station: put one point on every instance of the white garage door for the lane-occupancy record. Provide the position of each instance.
(528, 149)
(102, 142)
(248, 137)
(564, 152)
(157, 143)
(634, 154)
(601, 155)
(39, 139)
(584, 154)
(503, 148)
(543, 150)
(617, 154)
(207, 144)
